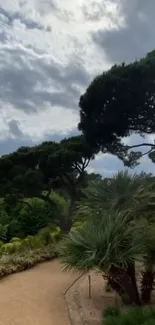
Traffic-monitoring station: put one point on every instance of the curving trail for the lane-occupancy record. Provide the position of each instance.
(35, 297)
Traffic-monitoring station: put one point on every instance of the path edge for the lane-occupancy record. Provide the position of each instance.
(69, 296)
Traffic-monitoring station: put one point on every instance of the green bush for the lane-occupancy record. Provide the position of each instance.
(55, 233)
(111, 311)
(77, 225)
(1, 243)
(15, 240)
(8, 248)
(25, 244)
(20, 262)
(135, 316)
(45, 237)
(49, 234)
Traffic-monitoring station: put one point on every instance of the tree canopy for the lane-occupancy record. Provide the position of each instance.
(117, 104)
(36, 171)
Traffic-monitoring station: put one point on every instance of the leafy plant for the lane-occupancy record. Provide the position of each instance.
(135, 196)
(135, 316)
(20, 262)
(111, 311)
(110, 244)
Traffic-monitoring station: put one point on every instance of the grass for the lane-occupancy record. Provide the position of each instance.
(14, 263)
(135, 316)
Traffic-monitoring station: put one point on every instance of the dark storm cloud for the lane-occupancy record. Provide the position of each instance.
(26, 79)
(133, 40)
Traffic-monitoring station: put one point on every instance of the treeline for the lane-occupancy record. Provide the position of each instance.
(41, 185)
(117, 104)
(35, 172)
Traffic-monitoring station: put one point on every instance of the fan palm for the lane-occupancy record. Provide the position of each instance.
(111, 246)
(133, 195)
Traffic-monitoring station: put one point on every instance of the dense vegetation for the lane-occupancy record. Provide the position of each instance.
(134, 316)
(29, 216)
(37, 171)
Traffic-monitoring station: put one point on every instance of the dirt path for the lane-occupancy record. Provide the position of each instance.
(35, 297)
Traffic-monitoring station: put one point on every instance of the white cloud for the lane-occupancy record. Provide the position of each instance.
(49, 121)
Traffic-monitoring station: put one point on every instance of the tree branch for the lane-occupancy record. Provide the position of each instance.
(142, 145)
(146, 153)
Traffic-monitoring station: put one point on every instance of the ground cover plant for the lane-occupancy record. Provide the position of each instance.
(134, 316)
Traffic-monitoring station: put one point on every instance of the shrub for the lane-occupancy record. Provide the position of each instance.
(77, 225)
(15, 240)
(20, 262)
(25, 244)
(8, 248)
(111, 311)
(45, 237)
(1, 243)
(49, 234)
(135, 316)
(55, 233)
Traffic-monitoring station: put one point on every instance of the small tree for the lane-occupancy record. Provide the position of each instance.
(111, 245)
(134, 196)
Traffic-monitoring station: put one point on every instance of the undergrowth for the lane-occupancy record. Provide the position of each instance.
(135, 316)
(10, 264)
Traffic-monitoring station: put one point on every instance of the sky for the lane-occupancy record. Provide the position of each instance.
(50, 50)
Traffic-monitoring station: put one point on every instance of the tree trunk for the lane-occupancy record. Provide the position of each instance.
(124, 283)
(131, 272)
(147, 286)
(67, 224)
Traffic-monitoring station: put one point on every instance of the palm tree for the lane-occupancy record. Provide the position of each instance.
(110, 245)
(148, 272)
(133, 195)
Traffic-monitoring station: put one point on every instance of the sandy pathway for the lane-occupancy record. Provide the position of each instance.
(35, 297)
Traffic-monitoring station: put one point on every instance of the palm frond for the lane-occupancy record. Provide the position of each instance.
(134, 195)
(101, 244)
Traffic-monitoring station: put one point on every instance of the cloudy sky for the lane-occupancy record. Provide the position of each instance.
(50, 50)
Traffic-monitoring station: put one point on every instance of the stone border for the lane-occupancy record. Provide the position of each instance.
(82, 311)
(70, 297)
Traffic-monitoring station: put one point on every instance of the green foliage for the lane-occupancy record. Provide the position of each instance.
(134, 195)
(1, 243)
(135, 316)
(111, 311)
(15, 229)
(43, 168)
(103, 243)
(44, 237)
(77, 225)
(20, 262)
(15, 240)
(48, 235)
(8, 248)
(31, 215)
(116, 227)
